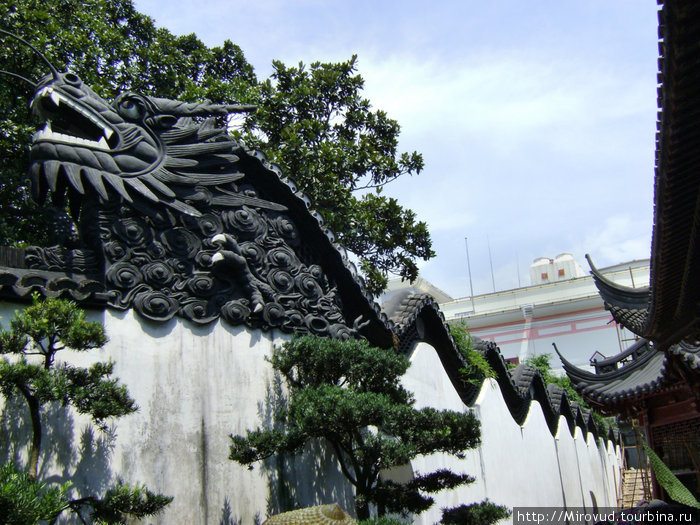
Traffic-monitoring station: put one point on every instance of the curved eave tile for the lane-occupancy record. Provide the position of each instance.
(21, 284)
(675, 251)
(628, 306)
(641, 377)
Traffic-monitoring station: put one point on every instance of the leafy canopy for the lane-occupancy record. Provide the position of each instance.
(349, 394)
(316, 125)
(31, 371)
(312, 121)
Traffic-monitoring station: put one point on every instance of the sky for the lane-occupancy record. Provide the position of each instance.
(536, 119)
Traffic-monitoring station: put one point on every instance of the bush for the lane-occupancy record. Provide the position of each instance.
(478, 368)
(474, 514)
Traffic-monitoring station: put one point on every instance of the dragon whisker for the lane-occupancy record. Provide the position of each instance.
(10, 73)
(54, 71)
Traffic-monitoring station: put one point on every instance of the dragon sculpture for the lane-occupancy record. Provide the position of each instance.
(172, 216)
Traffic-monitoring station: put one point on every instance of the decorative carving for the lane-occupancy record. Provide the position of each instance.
(162, 272)
(58, 258)
(169, 216)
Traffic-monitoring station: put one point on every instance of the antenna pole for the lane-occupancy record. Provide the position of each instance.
(493, 281)
(469, 268)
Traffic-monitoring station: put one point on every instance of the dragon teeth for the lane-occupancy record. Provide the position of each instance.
(48, 134)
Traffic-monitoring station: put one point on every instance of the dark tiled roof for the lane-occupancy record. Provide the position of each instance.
(675, 259)
(688, 354)
(671, 311)
(647, 374)
(21, 284)
(628, 306)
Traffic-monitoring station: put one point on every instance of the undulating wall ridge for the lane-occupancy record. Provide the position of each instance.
(519, 464)
(417, 318)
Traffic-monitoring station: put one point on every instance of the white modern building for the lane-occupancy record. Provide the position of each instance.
(562, 306)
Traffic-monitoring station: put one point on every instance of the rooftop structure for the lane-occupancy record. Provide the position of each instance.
(569, 312)
(657, 380)
(562, 267)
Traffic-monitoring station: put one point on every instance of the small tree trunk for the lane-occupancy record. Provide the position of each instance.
(361, 508)
(33, 405)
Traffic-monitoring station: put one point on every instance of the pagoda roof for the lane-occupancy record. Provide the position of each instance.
(669, 310)
(645, 373)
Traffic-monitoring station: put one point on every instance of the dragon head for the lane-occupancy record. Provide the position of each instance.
(138, 146)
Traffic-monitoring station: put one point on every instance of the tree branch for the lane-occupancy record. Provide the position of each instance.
(343, 467)
(33, 405)
(379, 184)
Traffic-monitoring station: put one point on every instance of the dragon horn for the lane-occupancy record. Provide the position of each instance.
(200, 109)
(54, 72)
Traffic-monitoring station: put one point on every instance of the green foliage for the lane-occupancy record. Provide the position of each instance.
(477, 368)
(26, 501)
(123, 501)
(41, 331)
(668, 480)
(37, 334)
(383, 520)
(315, 124)
(312, 121)
(349, 394)
(396, 498)
(474, 514)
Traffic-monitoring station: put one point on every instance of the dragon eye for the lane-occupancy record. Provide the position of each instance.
(131, 109)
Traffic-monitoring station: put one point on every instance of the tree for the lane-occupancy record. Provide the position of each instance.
(37, 335)
(111, 47)
(348, 394)
(312, 122)
(315, 124)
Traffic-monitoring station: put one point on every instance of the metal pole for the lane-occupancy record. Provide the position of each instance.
(493, 281)
(469, 268)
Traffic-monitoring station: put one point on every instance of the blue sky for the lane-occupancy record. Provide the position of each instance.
(536, 119)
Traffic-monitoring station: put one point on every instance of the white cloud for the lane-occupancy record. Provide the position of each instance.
(505, 98)
(622, 238)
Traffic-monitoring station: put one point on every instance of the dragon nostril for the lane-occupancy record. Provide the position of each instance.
(71, 78)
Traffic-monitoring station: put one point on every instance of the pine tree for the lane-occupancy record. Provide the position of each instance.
(349, 394)
(32, 372)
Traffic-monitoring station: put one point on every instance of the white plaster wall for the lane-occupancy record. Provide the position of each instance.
(569, 467)
(195, 386)
(514, 465)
